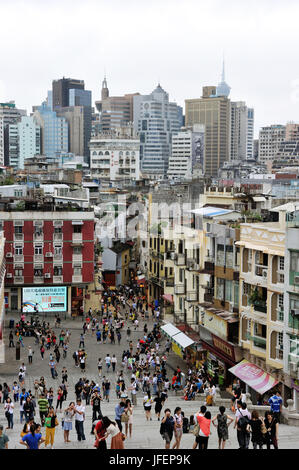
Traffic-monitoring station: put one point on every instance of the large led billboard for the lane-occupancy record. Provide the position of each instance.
(44, 299)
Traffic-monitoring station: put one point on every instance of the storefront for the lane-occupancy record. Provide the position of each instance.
(221, 355)
(180, 342)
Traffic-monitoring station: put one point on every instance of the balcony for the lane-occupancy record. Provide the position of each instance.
(77, 257)
(57, 257)
(38, 258)
(38, 236)
(260, 306)
(19, 280)
(261, 271)
(192, 265)
(38, 279)
(57, 237)
(179, 289)
(180, 259)
(77, 238)
(170, 282)
(18, 237)
(76, 279)
(156, 280)
(208, 268)
(258, 341)
(208, 298)
(57, 279)
(192, 296)
(18, 258)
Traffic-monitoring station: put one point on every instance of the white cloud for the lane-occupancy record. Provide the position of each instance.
(139, 42)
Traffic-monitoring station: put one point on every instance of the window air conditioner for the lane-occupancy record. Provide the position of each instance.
(9, 275)
(47, 275)
(9, 255)
(49, 254)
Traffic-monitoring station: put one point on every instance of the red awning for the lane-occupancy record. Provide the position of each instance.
(168, 297)
(254, 376)
(141, 281)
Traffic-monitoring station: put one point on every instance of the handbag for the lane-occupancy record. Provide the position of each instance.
(124, 418)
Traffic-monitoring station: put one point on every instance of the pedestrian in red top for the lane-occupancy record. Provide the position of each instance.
(99, 432)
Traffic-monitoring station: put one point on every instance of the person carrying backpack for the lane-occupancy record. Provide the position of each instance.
(242, 420)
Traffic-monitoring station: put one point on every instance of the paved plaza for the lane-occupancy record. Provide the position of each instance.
(145, 433)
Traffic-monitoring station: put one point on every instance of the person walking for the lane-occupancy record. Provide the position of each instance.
(32, 440)
(204, 423)
(256, 425)
(43, 406)
(68, 421)
(147, 405)
(52, 365)
(79, 420)
(42, 351)
(113, 362)
(100, 366)
(50, 424)
(222, 426)
(9, 409)
(11, 342)
(96, 408)
(241, 423)
(271, 436)
(178, 427)
(30, 354)
(4, 439)
(108, 362)
(275, 401)
(28, 409)
(129, 422)
(159, 401)
(59, 398)
(167, 428)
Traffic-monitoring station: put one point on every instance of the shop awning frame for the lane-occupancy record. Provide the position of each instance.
(254, 376)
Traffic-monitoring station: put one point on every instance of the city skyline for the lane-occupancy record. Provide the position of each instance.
(135, 51)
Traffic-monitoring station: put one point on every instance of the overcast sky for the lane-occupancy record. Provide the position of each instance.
(140, 42)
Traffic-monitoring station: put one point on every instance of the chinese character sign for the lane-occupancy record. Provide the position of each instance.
(44, 299)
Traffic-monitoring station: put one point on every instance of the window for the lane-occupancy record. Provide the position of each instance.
(77, 270)
(18, 272)
(220, 288)
(228, 291)
(38, 272)
(77, 228)
(57, 249)
(77, 250)
(294, 262)
(38, 249)
(19, 249)
(18, 229)
(57, 270)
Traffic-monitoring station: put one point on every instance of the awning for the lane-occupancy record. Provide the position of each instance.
(182, 340)
(168, 297)
(177, 336)
(140, 280)
(169, 329)
(254, 376)
(259, 198)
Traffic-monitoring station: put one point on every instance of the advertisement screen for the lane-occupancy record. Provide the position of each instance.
(197, 148)
(44, 299)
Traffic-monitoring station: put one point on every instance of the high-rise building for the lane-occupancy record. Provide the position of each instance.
(9, 114)
(155, 119)
(270, 138)
(24, 141)
(115, 111)
(60, 91)
(214, 112)
(54, 131)
(187, 152)
(241, 131)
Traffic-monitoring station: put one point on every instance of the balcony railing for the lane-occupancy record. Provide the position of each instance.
(258, 341)
(179, 289)
(192, 296)
(260, 306)
(261, 271)
(77, 237)
(180, 259)
(19, 237)
(57, 236)
(57, 279)
(170, 282)
(19, 280)
(77, 278)
(38, 279)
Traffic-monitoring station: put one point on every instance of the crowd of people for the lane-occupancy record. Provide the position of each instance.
(140, 371)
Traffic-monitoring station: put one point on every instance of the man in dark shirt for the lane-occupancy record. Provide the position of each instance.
(96, 408)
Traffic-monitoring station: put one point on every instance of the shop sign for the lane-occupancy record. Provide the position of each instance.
(224, 347)
(176, 349)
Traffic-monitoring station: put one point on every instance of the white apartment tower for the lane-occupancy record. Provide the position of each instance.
(187, 150)
(241, 131)
(270, 138)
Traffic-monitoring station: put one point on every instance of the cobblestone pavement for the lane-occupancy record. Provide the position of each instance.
(145, 433)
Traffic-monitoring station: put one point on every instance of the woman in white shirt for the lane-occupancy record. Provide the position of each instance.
(9, 408)
(178, 427)
(117, 437)
(147, 405)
